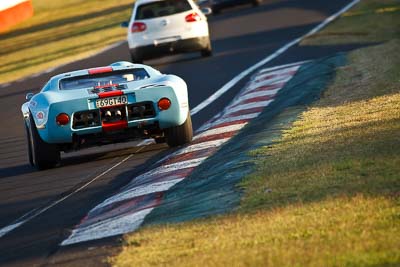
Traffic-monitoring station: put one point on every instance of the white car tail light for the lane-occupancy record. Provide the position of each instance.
(138, 27)
(193, 17)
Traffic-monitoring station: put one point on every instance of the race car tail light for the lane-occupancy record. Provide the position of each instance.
(85, 119)
(193, 17)
(164, 103)
(62, 119)
(138, 27)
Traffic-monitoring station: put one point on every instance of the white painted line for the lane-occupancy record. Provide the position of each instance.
(138, 191)
(226, 129)
(269, 58)
(9, 228)
(237, 118)
(258, 94)
(30, 216)
(201, 146)
(229, 119)
(166, 169)
(275, 74)
(277, 71)
(273, 81)
(249, 106)
(195, 147)
(282, 66)
(107, 228)
(177, 166)
(248, 94)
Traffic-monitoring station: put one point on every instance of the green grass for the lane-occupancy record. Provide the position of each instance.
(61, 32)
(327, 192)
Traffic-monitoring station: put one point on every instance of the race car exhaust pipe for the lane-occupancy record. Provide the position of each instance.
(108, 114)
(118, 113)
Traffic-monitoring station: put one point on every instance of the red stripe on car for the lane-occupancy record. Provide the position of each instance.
(100, 70)
(110, 93)
(112, 126)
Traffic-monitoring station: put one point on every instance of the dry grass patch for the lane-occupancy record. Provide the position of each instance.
(335, 232)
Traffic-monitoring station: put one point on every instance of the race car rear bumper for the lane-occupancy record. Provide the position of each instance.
(179, 46)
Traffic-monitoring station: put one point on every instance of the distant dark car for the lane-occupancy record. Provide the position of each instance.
(218, 5)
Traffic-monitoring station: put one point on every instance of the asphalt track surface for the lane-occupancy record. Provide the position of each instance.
(241, 37)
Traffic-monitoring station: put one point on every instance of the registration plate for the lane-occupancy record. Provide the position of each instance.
(111, 101)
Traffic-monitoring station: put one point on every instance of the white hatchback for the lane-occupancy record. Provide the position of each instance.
(161, 27)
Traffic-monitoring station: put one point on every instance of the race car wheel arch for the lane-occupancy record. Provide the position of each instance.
(180, 135)
(44, 155)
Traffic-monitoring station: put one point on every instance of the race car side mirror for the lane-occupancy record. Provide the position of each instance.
(125, 24)
(29, 96)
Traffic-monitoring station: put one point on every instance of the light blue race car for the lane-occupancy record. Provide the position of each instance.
(104, 105)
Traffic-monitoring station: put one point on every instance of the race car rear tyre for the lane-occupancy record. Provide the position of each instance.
(28, 140)
(180, 135)
(207, 51)
(44, 155)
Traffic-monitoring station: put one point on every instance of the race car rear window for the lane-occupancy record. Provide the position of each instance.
(161, 9)
(103, 79)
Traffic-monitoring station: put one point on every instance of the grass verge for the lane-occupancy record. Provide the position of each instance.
(60, 32)
(326, 193)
